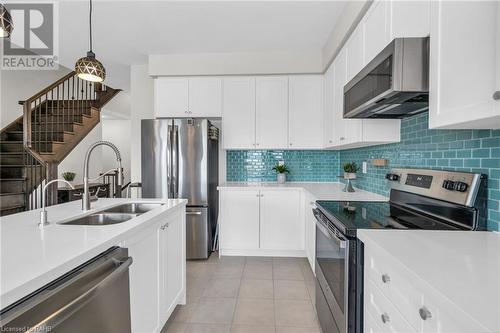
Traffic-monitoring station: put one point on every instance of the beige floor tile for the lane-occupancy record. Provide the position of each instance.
(290, 289)
(222, 288)
(252, 288)
(252, 329)
(196, 286)
(175, 328)
(252, 311)
(214, 259)
(307, 272)
(208, 328)
(183, 313)
(286, 261)
(289, 271)
(258, 271)
(229, 271)
(199, 269)
(295, 313)
(214, 311)
(311, 289)
(288, 329)
(259, 260)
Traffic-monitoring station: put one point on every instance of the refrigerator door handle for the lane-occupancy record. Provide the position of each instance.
(175, 162)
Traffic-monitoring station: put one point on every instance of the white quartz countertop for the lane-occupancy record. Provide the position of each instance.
(32, 257)
(321, 191)
(464, 266)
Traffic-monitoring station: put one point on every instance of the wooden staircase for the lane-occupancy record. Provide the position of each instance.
(54, 121)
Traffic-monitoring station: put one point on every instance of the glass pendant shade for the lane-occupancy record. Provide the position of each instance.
(6, 25)
(90, 69)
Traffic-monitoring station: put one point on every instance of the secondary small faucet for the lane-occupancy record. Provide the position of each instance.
(43, 213)
(86, 194)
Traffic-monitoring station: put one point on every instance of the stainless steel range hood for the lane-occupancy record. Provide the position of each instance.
(395, 84)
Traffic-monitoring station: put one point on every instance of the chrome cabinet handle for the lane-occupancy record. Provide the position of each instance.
(342, 138)
(386, 278)
(165, 226)
(330, 141)
(424, 313)
(291, 143)
(385, 318)
(496, 95)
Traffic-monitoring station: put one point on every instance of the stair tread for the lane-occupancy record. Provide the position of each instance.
(12, 207)
(12, 193)
(13, 179)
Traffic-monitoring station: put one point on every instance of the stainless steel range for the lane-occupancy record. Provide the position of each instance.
(419, 199)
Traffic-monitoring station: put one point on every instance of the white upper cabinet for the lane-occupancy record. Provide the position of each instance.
(328, 116)
(305, 112)
(354, 49)
(272, 112)
(409, 18)
(171, 97)
(464, 73)
(205, 97)
(376, 29)
(188, 97)
(238, 119)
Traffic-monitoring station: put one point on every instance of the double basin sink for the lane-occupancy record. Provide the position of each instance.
(114, 215)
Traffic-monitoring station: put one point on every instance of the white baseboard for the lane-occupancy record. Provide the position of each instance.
(262, 253)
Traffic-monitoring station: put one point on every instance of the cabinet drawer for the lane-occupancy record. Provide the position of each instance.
(384, 313)
(395, 283)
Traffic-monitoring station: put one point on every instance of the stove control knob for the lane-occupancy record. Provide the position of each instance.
(461, 186)
(392, 177)
(449, 185)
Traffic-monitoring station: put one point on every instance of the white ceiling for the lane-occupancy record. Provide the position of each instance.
(126, 32)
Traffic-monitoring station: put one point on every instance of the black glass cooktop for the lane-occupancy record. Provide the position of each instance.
(349, 216)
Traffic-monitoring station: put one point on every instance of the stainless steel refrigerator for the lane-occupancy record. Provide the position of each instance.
(179, 159)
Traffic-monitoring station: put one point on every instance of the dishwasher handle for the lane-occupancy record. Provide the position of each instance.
(67, 310)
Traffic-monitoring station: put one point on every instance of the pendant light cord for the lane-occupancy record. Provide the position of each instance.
(90, 24)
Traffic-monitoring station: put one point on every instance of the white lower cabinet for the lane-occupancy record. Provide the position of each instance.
(157, 275)
(397, 300)
(264, 221)
(310, 230)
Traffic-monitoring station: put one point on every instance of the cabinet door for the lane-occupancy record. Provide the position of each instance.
(238, 121)
(171, 97)
(281, 224)
(305, 112)
(410, 18)
(205, 97)
(464, 64)
(172, 262)
(375, 29)
(347, 131)
(272, 112)
(310, 229)
(328, 117)
(354, 49)
(144, 281)
(239, 216)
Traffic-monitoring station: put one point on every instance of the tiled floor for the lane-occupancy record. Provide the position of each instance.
(247, 295)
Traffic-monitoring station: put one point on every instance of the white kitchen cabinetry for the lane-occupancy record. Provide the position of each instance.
(157, 275)
(305, 112)
(409, 18)
(239, 220)
(271, 112)
(261, 222)
(188, 97)
(281, 227)
(310, 230)
(355, 53)
(238, 108)
(396, 300)
(376, 29)
(464, 64)
(328, 119)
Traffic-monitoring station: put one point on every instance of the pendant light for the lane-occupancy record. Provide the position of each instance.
(89, 68)
(6, 25)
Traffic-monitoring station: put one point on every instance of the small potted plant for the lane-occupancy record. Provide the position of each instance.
(281, 170)
(69, 176)
(350, 170)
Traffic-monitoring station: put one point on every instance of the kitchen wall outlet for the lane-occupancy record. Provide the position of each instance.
(364, 167)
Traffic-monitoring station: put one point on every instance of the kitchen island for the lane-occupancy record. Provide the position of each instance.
(32, 256)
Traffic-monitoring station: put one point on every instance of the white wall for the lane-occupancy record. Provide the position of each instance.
(20, 85)
(141, 102)
(118, 132)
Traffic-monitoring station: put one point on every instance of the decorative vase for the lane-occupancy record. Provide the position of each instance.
(281, 178)
(349, 175)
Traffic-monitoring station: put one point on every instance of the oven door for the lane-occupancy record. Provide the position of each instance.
(332, 255)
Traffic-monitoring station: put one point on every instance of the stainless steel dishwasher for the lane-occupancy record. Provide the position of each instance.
(93, 297)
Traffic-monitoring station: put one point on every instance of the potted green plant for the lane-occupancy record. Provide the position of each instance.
(281, 170)
(69, 176)
(350, 170)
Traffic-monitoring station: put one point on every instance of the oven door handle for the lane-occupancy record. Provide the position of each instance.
(330, 235)
(67, 310)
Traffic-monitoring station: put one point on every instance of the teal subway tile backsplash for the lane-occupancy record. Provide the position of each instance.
(480, 153)
(304, 165)
(420, 147)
